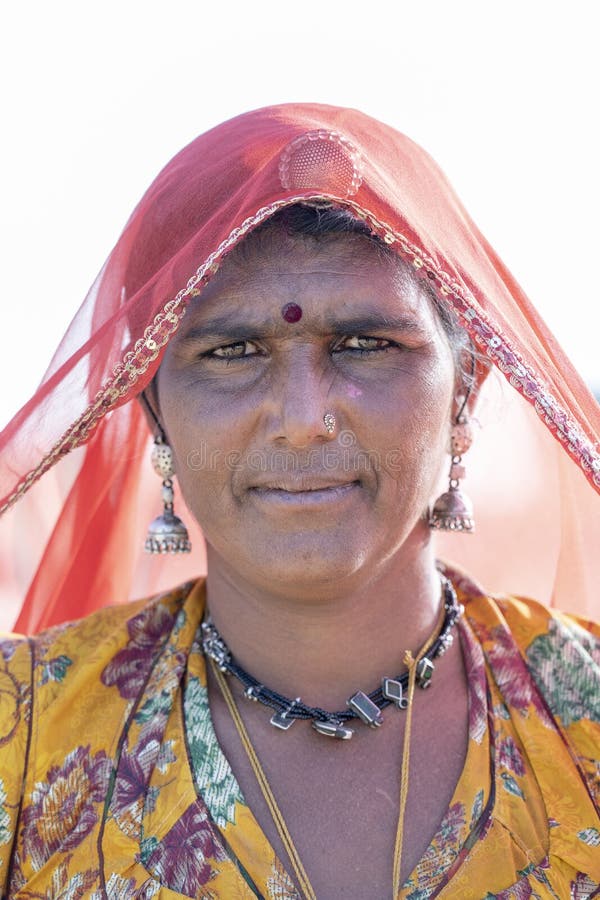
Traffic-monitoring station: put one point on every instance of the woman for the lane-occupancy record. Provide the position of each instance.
(305, 386)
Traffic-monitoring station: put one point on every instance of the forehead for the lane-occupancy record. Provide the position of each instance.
(326, 277)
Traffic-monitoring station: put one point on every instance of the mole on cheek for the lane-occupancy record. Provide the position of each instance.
(291, 312)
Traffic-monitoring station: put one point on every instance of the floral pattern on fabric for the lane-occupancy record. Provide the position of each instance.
(129, 795)
(63, 887)
(441, 852)
(49, 666)
(129, 669)
(475, 673)
(63, 809)
(590, 836)
(569, 681)
(280, 884)
(14, 693)
(55, 669)
(523, 889)
(145, 750)
(583, 888)
(119, 888)
(476, 809)
(132, 794)
(5, 832)
(510, 672)
(510, 756)
(212, 775)
(183, 859)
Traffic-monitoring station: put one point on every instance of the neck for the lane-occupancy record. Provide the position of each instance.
(327, 643)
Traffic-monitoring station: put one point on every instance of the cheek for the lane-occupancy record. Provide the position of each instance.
(417, 434)
(353, 392)
(195, 412)
(418, 401)
(431, 422)
(205, 454)
(193, 430)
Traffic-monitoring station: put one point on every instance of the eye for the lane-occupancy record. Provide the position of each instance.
(238, 350)
(362, 343)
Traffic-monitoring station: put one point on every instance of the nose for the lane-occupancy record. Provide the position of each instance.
(302, 404)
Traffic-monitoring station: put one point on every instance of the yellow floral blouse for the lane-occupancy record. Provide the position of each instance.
(112, 782)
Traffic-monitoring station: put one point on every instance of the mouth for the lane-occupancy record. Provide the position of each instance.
(306, 494)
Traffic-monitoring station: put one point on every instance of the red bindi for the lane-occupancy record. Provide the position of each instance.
(291, 312)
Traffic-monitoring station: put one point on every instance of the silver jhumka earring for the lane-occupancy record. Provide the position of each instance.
(453, 511)
(166, 533)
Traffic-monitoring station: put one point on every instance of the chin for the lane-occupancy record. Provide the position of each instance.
(304, 565)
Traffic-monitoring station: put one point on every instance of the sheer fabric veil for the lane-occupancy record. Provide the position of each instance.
(75, 483)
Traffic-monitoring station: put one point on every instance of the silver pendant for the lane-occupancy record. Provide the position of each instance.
(280, 719)
(214, 646)
(392, 690)
(333, 728)
(365, 709)
(445, 641)
(253, 692)
(424, 672)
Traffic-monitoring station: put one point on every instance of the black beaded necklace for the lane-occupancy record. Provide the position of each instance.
(363, 707)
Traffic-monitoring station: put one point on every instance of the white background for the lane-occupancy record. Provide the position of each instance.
(97, 96)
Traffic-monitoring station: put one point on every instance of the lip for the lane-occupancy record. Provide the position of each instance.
(306, 495)
(295, 483)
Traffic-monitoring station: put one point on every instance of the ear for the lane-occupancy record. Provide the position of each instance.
(466, 384)
(148, 400)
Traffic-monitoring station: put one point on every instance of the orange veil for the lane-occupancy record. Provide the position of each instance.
(534, 472)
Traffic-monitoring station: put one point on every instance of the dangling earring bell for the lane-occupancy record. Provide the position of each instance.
(166, 533)
(453, 511)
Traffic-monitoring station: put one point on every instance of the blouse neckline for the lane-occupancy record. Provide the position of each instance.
(464, 820)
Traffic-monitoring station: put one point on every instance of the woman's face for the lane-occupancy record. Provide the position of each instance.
(242, 393)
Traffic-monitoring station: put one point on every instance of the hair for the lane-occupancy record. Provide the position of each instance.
(324, 222)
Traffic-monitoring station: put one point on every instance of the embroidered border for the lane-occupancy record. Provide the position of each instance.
(322, 136)
(493, 342)
(498, 348)
(146, 350)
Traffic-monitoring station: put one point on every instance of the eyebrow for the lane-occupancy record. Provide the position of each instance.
(224, 327)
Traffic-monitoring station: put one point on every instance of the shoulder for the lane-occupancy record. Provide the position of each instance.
(528, 616)
(64, 667)
(562, 652)
(551, 641)
(65, 696)
(73, 690)
(542, 653)
(547, 666)
(107, 628)
(535, 628)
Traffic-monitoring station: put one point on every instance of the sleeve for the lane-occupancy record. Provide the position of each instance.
(15, 726)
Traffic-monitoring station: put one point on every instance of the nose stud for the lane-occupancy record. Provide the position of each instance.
(329, 422)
